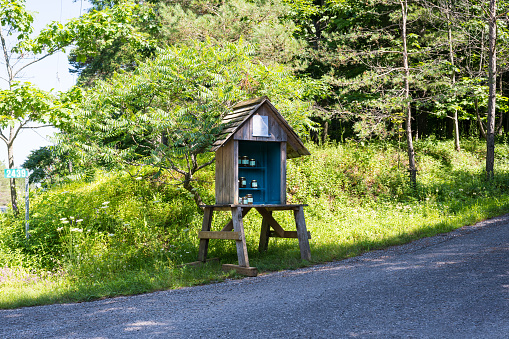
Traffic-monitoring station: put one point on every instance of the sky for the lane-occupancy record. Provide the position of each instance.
(51, 73)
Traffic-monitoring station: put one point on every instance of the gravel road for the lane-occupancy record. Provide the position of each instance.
(454, 285)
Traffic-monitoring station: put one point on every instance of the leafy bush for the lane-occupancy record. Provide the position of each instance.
(122, 233)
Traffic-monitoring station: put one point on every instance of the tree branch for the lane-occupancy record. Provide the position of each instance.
(2, 137)
(6, 57)
(34, 127)
(18, 129)
(205, 164)
(33, 62)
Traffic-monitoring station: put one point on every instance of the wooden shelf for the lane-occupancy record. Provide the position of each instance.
(262, 168)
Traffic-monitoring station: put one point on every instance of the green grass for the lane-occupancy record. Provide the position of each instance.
(120, 235)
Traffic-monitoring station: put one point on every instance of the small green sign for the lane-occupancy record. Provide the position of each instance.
(16, 173)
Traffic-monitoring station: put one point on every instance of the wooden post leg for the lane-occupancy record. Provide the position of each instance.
(264, 235)
(302, 233)
(238, 226)
(204, 243)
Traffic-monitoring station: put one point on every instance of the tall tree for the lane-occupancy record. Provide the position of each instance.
(264, 24)
(22, 103)
(408, 108)
(181, 94)
(492, 85)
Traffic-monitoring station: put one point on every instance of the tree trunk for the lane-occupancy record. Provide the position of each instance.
(325, 132)
(500, 123)
(12, 181)
(479, 122)
(407, 107)
(456, 132)
(193, 191)
(492, 83)
(453, 81)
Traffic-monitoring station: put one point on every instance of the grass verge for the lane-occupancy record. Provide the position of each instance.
(121, 235)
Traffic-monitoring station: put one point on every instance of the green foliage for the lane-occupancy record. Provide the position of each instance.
(169, 110)
(264, 24)
(126, 38)
(47, 166)
(24, 101)
(124, 234)
(105, 26)
(4, 187)
(14, 15)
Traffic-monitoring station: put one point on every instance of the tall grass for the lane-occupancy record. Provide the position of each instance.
(124, 235)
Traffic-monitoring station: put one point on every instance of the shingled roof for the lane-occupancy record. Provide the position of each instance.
(240, 114)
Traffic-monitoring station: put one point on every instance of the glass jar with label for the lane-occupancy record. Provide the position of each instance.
(245, 161)
(249, 199)
(254, 184)
(242, 182)
(252, 163)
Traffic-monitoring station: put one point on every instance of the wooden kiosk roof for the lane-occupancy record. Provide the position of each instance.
(240, 114)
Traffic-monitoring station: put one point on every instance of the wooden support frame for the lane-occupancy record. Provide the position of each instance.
(204, 243)
(234, 230)
(238, 226)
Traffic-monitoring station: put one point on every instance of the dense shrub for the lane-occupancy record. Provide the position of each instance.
(129, 234)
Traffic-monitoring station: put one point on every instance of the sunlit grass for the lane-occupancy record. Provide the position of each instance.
(120, 236)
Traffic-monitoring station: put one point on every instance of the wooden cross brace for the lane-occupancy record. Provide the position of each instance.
(234, 230)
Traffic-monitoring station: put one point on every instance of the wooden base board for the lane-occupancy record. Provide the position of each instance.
(248, 271)
(198, 263)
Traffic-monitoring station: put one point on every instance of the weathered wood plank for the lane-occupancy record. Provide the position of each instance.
(229, 225)
(204, 243)
(272, 222)
(238, 226)
(300, 223)
(275, 129)
(264, 236)
(293, 138)
(282, 189)
(234, 162)
(243, 112)
(219, 235)
(229, 129)
(198, 263)
(268, 207)
(248, 271)
(218, 175)
(249, 102)
(288, 234)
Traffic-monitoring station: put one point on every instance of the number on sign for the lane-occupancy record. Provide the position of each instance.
(16, 173)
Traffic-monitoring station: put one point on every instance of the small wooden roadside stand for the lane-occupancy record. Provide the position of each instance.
(251, 156)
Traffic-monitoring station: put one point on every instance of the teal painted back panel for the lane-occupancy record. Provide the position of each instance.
(266, 172)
